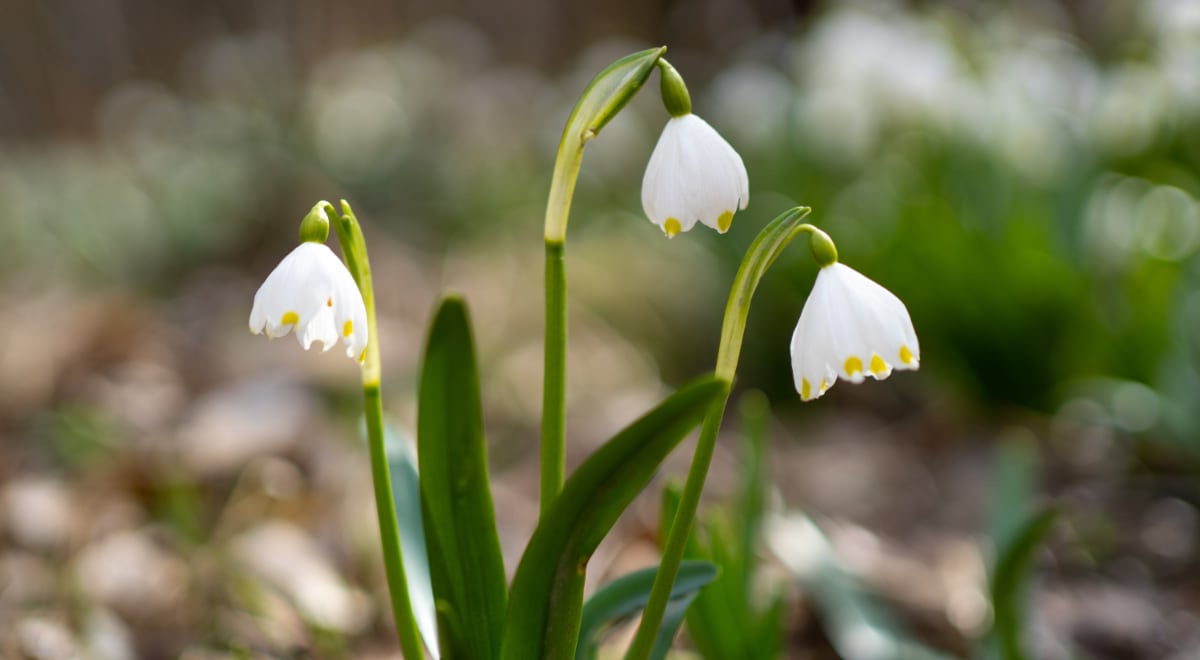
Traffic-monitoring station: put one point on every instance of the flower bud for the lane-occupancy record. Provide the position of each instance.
(314, 228)
(675, 95)
(823, 249)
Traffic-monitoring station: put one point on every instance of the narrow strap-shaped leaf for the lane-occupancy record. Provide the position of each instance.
(1011, 569)
(672, 619)
(406, 492)
(626, 596)
(460, 525)
(547, 592)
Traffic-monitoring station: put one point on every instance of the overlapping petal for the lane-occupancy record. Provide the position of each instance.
(311, 292)
(693, 176)
(850, 328)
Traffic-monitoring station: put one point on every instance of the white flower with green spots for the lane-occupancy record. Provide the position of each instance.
(693, 176)
(850, 327)
(312, 292)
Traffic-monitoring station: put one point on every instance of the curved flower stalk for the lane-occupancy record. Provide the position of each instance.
(603, 98)
(851, 317)
(693, 174)
(312, 292)
(759, 257)
(851, 328)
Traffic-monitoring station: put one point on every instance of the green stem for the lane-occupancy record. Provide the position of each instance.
(354, 249)
(554, 403)
(762, 253)
(389, 530)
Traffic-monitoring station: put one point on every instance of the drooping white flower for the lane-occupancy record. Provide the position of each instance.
(312, 292)
(693, 175)
(850, 327)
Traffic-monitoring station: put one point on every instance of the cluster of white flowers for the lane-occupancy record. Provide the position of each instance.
(850, 326)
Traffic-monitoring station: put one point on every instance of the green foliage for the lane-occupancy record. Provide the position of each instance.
(547, 592)
(1008, 579)
(609, 91)
(624, 597)
(724, 622)
(603, 98)
(406, 493)
(465, 562)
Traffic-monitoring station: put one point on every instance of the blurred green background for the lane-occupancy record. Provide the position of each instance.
(1023, 175)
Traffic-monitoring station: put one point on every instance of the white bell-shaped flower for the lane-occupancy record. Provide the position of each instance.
(693, 175)
(850, 327)
(312, 292)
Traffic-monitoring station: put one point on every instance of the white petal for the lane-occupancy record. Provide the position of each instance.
(351, 317)
(886, 316)
(319, 328)
(850, 327)
(309, 291)
(693, 176)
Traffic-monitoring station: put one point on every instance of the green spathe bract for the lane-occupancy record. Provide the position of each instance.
(547, 592)
(465, 562)
(601, 100)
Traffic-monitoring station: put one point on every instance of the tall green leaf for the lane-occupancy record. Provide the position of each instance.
(460, 526)
(547, 592)
(624, 597)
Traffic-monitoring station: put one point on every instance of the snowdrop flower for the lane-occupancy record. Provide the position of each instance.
(693, 174)
(850, 327)
(312, 292)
